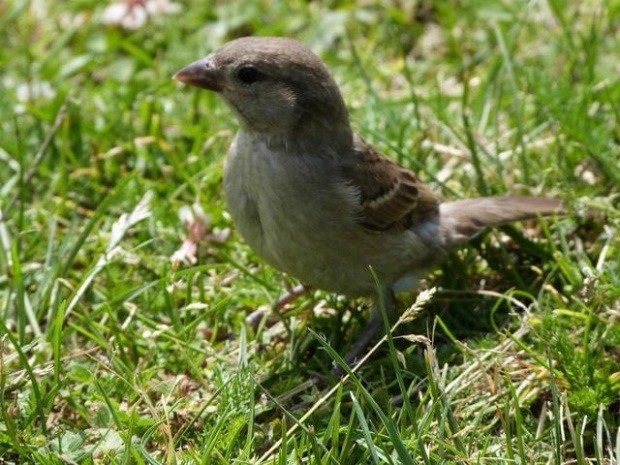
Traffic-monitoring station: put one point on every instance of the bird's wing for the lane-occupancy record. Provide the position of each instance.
(392, 198)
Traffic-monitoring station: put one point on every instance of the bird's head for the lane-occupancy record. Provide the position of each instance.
(275, 86)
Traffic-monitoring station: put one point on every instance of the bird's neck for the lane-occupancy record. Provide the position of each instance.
(335, 135)
(322, 120)
(307, 137)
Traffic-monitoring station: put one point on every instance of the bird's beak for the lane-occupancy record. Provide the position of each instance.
(202, 73)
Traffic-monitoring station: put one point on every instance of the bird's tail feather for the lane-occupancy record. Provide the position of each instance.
(464, 219)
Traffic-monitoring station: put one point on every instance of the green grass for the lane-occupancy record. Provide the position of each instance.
(109, 354)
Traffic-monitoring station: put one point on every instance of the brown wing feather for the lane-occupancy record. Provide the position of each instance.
(391, 197)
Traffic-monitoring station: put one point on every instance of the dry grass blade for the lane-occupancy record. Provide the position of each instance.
(119, 229)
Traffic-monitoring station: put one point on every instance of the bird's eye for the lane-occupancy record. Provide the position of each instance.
(248, 75)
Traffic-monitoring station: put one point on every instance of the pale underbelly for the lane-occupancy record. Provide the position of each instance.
(335, 254)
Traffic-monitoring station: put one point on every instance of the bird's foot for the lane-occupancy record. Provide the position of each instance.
(254, 319)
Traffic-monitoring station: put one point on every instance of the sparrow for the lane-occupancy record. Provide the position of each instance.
(318, 202)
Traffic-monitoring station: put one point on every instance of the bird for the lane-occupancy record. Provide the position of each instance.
(314, 200)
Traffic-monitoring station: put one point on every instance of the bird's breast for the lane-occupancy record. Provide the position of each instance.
(283, 203)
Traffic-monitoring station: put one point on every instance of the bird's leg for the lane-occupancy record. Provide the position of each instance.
(373, 327)
(254, 318)
(295, 293)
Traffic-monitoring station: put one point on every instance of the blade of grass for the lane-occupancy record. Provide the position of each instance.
(109, 200)
(516, 101)
(363, 422)
(396, 363)
(25, 364)
(387, 422)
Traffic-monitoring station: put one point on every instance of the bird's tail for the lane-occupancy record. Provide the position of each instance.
(464, 219)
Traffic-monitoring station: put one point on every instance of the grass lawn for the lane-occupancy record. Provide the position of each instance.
(112, 353)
